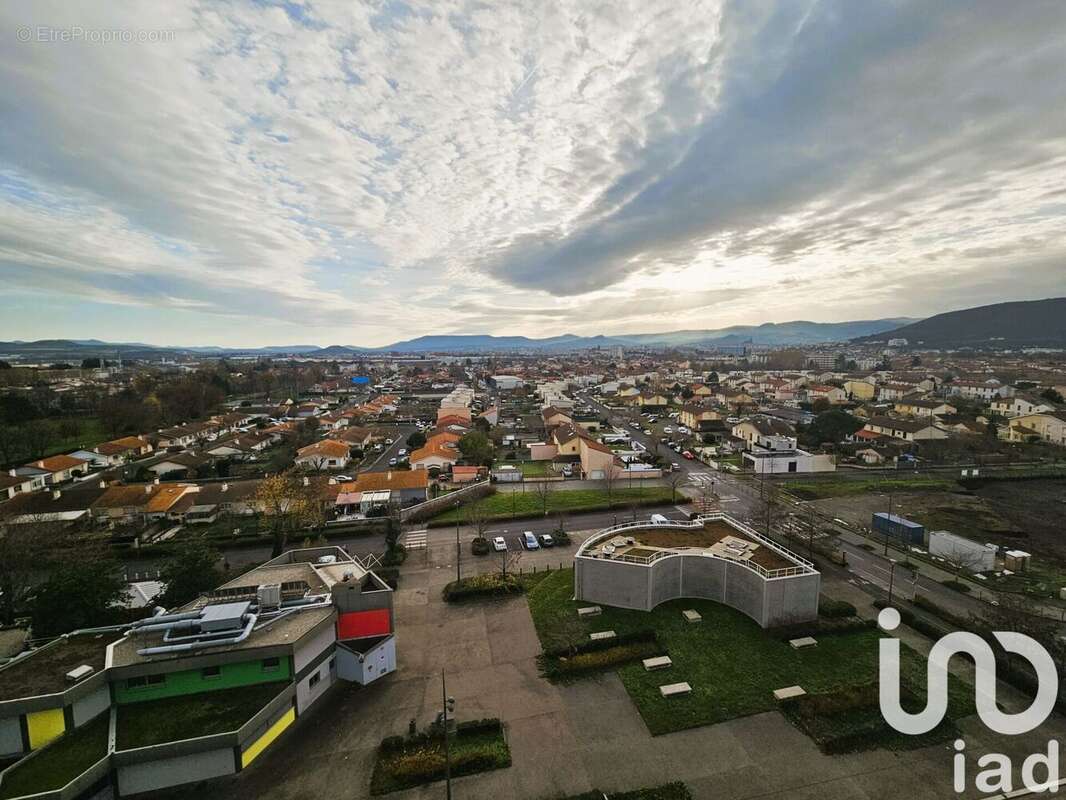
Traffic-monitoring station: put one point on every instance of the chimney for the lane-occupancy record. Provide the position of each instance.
(225, 487)
(56, 494)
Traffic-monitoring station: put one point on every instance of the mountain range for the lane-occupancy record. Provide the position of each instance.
(776, 334)
(1011, 324)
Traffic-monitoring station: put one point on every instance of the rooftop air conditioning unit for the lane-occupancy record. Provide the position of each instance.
(79, 673)
(268, 596)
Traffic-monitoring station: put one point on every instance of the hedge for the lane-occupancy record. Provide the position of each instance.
(835, 609)
(599, 654)
(492, 584)
(824, 626)
(668, 791)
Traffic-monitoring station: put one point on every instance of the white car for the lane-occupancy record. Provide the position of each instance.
(401, 452)
(389, 441)
(499, 544)
(668, 429)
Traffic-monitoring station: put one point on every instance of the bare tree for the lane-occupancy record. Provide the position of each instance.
(674, 481)
(610, 480)
(290, 503)
(959, 559)
(543, 490)
(24, 552)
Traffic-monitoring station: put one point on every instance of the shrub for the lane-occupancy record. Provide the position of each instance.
(492, 584)
(391, 575)
(561, 537)
(480, 546)
(668, 791)
(834, 609)
(395, 556)
(957, 586)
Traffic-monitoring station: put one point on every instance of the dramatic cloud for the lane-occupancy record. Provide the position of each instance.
(363, 172)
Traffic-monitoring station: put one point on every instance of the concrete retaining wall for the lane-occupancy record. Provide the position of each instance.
(91, 705)
(770, 603)
(161, 773)
(424, 511)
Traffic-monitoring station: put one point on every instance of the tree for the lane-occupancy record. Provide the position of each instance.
(90, 363)
(543, 490)
(289, 504)
(476, 448)
(190, 572)
(830, 426)
(39, 436)
(84, 590)
(1051, 395)
(675, 479)
(610, 480)
(416, 440)
(23, 552)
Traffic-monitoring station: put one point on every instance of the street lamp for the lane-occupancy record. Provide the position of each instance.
(891, 579)
(448, 705)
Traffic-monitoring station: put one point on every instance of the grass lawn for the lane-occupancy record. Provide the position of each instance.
(508, 505)
(533, 469)
(59, 763)
(421, 760)
(188, 716)
(732, 665)
(90, 434)
(821, 489)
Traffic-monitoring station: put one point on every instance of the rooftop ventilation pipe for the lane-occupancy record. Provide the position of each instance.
(249, 624)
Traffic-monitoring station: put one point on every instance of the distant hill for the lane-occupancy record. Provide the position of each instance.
(1032, 323)
(796, 333)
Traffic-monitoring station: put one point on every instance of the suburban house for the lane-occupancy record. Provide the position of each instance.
(909, 430)
(832, 394)
(403, 487)
(326, 454)
(772, 454)
(696, 416)
(1047, 426)
(125, 449)
(186, 435)
(749, 430)
(56, 469)
(354, 436)
(552, 416)
(980, 390)
(239, 447)
(892, 391)
(440, 451)
(12, 484)
(257, 653)
(178, 465)
(1019, 405)
(648, 399)
(921, 407)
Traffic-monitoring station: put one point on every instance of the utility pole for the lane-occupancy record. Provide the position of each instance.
(891, 579)
(891, 524)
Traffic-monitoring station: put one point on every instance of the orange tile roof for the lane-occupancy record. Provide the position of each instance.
(393, 479)
(164, 497)
(61, 462)
(327, 447)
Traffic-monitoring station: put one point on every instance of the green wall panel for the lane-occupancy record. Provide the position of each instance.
(195, 681)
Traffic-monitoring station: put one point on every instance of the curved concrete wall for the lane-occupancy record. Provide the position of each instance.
(773, 602)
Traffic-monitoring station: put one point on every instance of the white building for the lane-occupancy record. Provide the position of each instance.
(971, 556)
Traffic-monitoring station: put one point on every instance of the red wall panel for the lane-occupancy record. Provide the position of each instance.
(357, 624)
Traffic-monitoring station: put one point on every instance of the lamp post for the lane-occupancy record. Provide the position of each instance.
(891, 578)
(447, 704)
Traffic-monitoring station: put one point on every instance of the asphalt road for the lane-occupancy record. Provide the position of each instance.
(399, 437)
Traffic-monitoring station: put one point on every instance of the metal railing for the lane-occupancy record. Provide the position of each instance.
(803, 567)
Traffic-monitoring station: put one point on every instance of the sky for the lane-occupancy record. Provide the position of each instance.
(260, 173)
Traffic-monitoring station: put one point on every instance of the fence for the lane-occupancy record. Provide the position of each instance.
(433, 507)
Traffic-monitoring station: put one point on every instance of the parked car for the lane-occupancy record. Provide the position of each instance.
(676, 466)
(499, 544)
(401, 452)
(389, 441)
(568, 471)
(530, 541)
(688, 454)
(668, 429)
(392, 462)
(647, 431)
(546, 540)
(343, 478)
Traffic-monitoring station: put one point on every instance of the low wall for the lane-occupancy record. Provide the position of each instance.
(770, 602)
(431, 508)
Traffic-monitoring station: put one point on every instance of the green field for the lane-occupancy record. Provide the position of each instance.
(732, 665)
(60, 762)
(518, 505)
(821, 489)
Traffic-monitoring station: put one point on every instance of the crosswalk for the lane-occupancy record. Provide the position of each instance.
(415, 540)
(702, 478)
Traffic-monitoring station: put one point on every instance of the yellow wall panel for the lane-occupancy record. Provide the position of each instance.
(44, 726)
(263, 742)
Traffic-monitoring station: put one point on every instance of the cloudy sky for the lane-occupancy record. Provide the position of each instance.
(260, 173)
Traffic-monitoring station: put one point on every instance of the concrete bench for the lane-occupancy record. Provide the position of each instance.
(789, 692)
(589, 611)
(805, 641)
(600, 635)
(691, 615)
(674, 689)
(659, 662)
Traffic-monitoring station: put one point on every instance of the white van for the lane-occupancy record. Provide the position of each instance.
(659, 519)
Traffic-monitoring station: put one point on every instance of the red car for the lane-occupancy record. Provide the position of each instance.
(688, 454)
